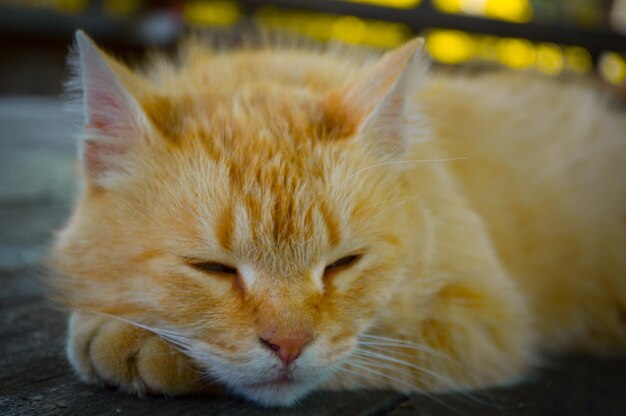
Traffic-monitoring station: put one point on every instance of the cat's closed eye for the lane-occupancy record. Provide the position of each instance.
(213, 267)
(341, 264)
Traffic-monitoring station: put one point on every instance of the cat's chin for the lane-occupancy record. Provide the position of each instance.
(278, 393)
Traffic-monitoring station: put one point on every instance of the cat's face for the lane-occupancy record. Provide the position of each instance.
(249, 226)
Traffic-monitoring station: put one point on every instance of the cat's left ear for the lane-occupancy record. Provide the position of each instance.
(379, 106)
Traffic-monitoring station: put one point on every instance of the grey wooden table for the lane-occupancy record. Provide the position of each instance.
(36, 187)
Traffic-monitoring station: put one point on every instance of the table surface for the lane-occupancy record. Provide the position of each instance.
(37, 153)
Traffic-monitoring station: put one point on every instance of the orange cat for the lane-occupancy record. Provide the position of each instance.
(278, 220)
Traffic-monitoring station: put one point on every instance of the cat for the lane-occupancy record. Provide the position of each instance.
(275, 220)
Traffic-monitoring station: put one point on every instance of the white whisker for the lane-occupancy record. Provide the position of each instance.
(384, 349)
(171, 336)
(369, 356)
(416, 349)
(363, 366)
(421, 369)
(399, 204)
(401, 162)
(375, 363)
(392, 342)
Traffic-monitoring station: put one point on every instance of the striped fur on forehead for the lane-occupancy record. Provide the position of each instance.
(278, 162)
(285, 216)
(288, 206)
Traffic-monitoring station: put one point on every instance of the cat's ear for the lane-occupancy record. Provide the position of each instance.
(380, 104)
(114, 122)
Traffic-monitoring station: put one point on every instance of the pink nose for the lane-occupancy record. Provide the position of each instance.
(287, 349)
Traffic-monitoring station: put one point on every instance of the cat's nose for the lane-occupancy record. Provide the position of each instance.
(287, 349)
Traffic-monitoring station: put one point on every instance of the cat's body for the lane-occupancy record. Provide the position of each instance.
(546, 173)
(380, 227)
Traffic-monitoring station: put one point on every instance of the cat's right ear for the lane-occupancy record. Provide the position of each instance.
(114, 122)
(379, 106)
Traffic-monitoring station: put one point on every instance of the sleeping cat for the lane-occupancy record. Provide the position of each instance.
(277, 220)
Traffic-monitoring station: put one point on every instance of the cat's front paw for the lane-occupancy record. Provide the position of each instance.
(108, 351)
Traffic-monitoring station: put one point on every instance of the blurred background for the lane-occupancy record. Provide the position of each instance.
(552, 37)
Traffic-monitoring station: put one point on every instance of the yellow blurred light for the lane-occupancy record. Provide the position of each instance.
(450, 46)
(448, 6)
(382, 35)
(121, 7)
(518, 11)
(473, 6)
(317, 27)
(70, 6)
(396, 4)
(325, 27)
(511, 10)
(349, 29)
(549, 59)
(578, 59)
(216, 12)
(487, 48)
(516, 53)
(588, 14)
(613, 67)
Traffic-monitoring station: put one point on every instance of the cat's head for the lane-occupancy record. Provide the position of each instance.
(260, 228)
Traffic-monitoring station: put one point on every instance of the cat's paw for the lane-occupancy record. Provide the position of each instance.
(108, 351)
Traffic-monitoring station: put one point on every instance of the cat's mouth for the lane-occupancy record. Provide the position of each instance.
(279, 390)
(284, 379)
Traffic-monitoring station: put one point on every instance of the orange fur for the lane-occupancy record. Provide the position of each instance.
(488, 228)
